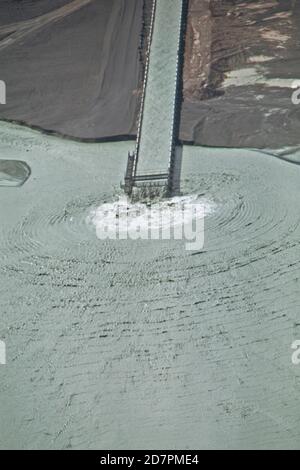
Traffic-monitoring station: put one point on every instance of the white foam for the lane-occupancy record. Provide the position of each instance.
(123, 216)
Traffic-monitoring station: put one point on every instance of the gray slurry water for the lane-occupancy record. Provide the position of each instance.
(138, 344)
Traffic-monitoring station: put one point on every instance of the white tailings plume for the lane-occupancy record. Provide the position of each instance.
(178, 218)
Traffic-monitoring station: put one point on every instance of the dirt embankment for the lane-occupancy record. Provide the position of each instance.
(75, 67)
(198, 49)
(241, 61)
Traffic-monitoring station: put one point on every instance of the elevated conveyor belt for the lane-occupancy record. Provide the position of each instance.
(153, 159)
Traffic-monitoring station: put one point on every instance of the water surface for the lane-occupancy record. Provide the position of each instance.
(138, 344)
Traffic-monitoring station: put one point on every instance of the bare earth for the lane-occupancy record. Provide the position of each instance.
(75, 67)
(256, 42)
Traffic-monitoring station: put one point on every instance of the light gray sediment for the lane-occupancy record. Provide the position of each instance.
(127, 345)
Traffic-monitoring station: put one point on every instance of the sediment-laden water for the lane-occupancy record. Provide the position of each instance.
(143, 344)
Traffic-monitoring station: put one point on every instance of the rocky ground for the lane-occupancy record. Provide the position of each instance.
(242, 58)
